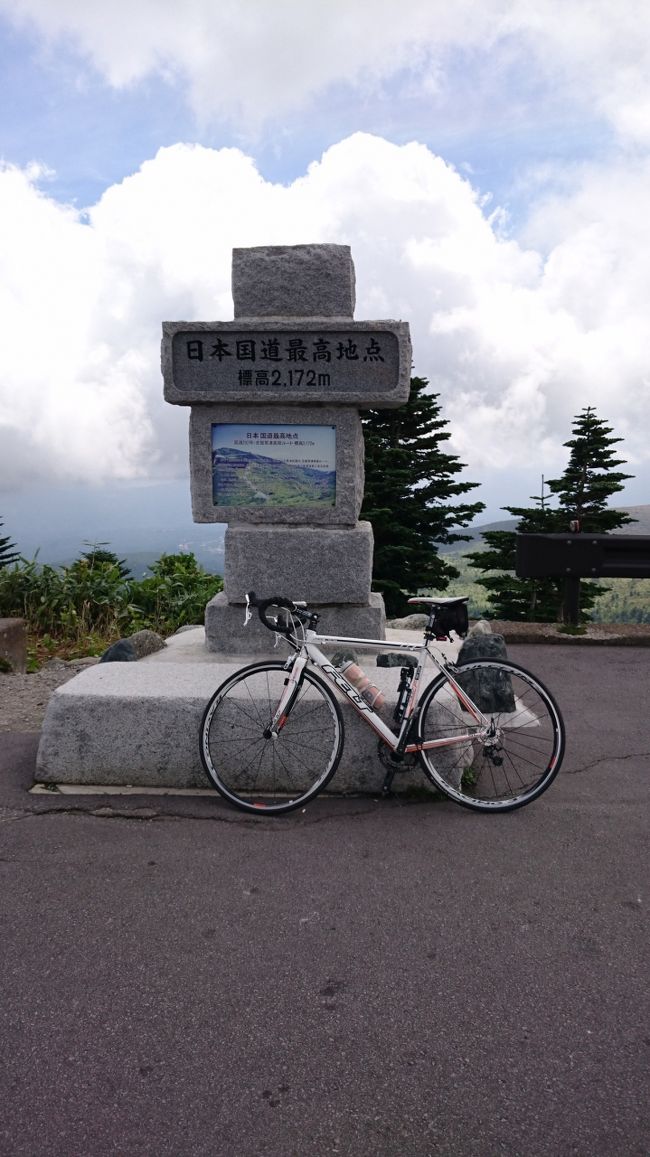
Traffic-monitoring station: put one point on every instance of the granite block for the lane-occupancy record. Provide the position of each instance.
(263, 509)
(226, 634)
(138, 724)
(293, 281)
(327, 565)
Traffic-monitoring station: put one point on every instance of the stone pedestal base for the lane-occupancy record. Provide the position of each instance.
(324, 565)
(225, 632)
(139, 724)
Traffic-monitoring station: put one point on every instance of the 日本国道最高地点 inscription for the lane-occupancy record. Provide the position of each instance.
(233, 361)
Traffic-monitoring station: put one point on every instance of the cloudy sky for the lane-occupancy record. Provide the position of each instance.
(488, 163)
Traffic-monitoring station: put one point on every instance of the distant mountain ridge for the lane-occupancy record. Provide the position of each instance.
(141, 550)
(143, 543)
(640, 526)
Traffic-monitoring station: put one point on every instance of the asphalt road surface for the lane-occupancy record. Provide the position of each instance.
(363, 978)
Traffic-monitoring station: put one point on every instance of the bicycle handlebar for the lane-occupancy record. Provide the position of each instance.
(275, 623)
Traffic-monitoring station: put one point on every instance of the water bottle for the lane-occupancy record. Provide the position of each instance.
(372, 694)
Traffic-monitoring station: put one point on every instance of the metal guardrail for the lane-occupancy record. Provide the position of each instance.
(583, 555)
(575, 556)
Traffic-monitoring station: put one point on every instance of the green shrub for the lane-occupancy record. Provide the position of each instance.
(91, 602)
(174, 596)
(69, 601)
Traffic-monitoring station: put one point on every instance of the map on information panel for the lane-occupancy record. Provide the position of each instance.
(273, 465)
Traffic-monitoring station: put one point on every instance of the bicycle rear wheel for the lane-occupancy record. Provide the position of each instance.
(509, 763)
(254, 770)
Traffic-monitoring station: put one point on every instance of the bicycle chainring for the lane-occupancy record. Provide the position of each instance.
(408, 762)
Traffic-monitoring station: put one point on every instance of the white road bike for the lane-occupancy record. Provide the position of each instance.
(486, 733)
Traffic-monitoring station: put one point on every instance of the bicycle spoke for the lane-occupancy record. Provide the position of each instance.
(255, 768)
(511, 759)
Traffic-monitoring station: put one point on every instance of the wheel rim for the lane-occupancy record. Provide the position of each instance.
(510, 762)
(253, 769)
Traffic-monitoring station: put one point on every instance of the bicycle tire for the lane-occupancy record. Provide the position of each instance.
(503, 772)
(259, 773)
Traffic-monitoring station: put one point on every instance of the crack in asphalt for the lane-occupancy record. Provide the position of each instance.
(608, 759)
(147, 815)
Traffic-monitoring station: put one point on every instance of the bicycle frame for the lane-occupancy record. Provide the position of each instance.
(309, 652)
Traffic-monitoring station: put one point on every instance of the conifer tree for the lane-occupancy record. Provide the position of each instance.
(8, 553)
(515, 599)
(590, 478)
(581, 494)
(409, 488)
(589, 481)
(99, 554)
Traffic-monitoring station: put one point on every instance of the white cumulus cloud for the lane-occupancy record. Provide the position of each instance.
(516, 335)
(252, 61)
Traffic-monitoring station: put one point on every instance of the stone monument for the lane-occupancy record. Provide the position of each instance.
(276, 451)
(276, 443)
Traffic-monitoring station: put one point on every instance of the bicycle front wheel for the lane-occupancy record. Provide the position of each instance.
(255, 770)
(500, 765)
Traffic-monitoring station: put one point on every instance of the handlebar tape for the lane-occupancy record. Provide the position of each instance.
(264, 604)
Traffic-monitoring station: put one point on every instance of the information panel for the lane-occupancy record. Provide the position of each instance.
(273, 465)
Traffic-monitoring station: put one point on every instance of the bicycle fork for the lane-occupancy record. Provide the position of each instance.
(287, 699)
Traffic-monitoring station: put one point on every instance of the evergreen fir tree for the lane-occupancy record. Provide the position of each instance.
(99, 554)
(515, 599)
(8, 553)
(589, 480)
(410, 482)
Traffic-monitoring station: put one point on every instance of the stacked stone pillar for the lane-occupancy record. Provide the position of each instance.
(293, 366)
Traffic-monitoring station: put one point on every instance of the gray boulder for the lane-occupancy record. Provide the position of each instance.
(480, 627)
(135, 647)
(146, 643)
(490, 690)
(394, 659)
(483, 647)
(409, 623)
(120, 652)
